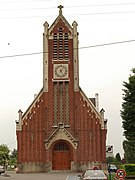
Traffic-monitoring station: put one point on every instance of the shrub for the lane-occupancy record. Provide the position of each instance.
(129, 168)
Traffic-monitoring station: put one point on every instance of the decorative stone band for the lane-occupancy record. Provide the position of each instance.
(61, 134)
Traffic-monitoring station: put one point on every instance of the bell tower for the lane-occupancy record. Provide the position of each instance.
(60, 46)
(60, 66)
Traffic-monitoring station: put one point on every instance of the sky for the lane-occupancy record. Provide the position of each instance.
(106, 56)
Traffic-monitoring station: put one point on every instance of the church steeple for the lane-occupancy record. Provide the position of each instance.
(60, 9)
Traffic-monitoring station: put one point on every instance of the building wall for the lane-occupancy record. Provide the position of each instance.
(37, 126)
(84, 132)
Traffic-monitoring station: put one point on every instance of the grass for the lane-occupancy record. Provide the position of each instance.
(113, 175)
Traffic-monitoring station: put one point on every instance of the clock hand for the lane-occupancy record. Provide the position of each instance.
(61, 70)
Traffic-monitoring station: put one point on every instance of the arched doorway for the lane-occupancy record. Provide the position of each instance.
(61, 156)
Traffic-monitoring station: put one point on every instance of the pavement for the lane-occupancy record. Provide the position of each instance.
(56, 175)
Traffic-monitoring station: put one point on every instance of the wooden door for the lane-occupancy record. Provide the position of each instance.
(61, 157)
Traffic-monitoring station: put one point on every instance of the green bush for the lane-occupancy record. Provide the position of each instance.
(129, 168)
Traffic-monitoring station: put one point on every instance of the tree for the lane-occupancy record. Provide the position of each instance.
(128, 116)
(4, 154)
(110, 160)
(129, 151)
(13, 157)
(14, 153)
(118, 158)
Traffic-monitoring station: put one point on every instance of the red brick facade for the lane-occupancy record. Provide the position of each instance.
(62, 129)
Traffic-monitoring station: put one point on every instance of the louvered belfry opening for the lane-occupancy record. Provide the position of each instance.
(60, 45)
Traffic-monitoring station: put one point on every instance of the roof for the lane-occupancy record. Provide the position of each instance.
(60, 17)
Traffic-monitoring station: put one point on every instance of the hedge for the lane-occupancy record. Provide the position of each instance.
(129, 168)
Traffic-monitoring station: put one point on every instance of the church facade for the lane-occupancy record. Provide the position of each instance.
(62, 129)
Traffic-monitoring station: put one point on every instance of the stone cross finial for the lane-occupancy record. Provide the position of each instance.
(60, 9)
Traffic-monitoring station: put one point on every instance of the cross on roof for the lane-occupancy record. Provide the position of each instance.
(60, 9)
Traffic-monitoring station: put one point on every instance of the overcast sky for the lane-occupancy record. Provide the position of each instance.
(102, 68)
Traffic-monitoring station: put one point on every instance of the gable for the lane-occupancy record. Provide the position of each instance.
(91, 105)
(61, 134)
(60, 22)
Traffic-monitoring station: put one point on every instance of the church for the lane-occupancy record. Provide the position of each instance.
(62, 129)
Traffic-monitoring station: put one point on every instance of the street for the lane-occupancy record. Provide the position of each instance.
(54, 175)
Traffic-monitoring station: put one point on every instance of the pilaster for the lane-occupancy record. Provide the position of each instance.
(19, 122)
(75, 57)
(45, 57)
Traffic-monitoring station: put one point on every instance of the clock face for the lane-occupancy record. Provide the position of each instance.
(61, 71)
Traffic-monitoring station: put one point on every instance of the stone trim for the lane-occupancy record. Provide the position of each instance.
(61, 134)
(89, 103)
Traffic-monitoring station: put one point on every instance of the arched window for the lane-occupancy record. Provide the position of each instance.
(61, 147)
